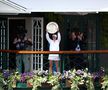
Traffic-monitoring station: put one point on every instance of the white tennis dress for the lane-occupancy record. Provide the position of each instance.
(54, 46)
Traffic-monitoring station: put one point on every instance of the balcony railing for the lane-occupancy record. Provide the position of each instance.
(64, 54)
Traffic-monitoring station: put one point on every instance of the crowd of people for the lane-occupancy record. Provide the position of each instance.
(21, 42)
(77, 41)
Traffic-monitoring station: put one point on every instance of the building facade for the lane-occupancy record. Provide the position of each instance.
(91, 24)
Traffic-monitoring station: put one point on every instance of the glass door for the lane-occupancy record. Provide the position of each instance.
(37, 37)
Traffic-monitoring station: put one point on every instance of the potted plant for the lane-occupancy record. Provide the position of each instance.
(17, 80)
(35, 80)
(78, 79)
(54, 81)
(40, 80)
(43, 80)
(98, 77)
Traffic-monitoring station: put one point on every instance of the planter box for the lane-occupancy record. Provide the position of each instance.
(67, 83)
(66, 88)
(45, 86)
(21, 85)
(69, 88)
(82, 87)
(22, 88)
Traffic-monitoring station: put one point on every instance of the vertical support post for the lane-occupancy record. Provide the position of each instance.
(97, 40)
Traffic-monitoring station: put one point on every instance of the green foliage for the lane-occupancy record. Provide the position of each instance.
(12, 80)
(81, 77)
(2, 81)
(105, 82)
(36, 79)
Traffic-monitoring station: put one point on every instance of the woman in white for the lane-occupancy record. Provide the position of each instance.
(53, 46)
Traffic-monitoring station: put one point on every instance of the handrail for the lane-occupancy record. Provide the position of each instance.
(54, 52)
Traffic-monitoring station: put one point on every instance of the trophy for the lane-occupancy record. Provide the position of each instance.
(52, 27)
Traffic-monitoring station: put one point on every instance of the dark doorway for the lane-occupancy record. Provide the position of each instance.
(74, 24)
(13, 24)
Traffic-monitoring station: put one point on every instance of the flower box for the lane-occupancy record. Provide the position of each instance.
(22, 88)
(45, 86)
(66, 88)
(67, 83)
(21, 85)
(82, 87)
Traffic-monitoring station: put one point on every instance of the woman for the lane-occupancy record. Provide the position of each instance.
(53, 46)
